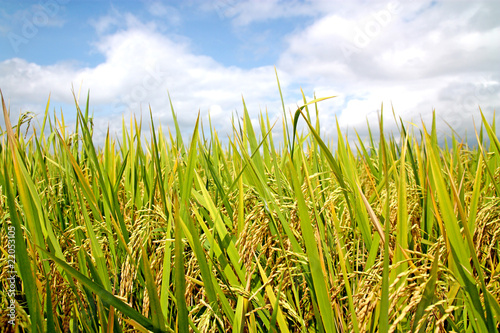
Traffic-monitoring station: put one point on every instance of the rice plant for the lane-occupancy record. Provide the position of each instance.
(396, 233)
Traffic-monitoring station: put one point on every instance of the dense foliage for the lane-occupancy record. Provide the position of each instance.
(389, 234)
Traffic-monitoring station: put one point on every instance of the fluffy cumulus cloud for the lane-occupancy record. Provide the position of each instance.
(141, 68)
(416, 56)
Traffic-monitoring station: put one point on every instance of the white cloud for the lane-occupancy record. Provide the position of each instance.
(103, 24)
(418, 56)
(140, 67)
(246, 12)
(415, 58)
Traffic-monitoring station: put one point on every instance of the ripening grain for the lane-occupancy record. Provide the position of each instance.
(400, 234)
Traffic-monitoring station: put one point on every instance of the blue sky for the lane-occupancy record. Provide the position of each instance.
(72, 30)
(417, 55)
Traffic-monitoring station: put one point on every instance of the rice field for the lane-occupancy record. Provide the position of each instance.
(396, 233)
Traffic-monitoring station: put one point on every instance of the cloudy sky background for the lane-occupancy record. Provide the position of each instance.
(414, 55)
